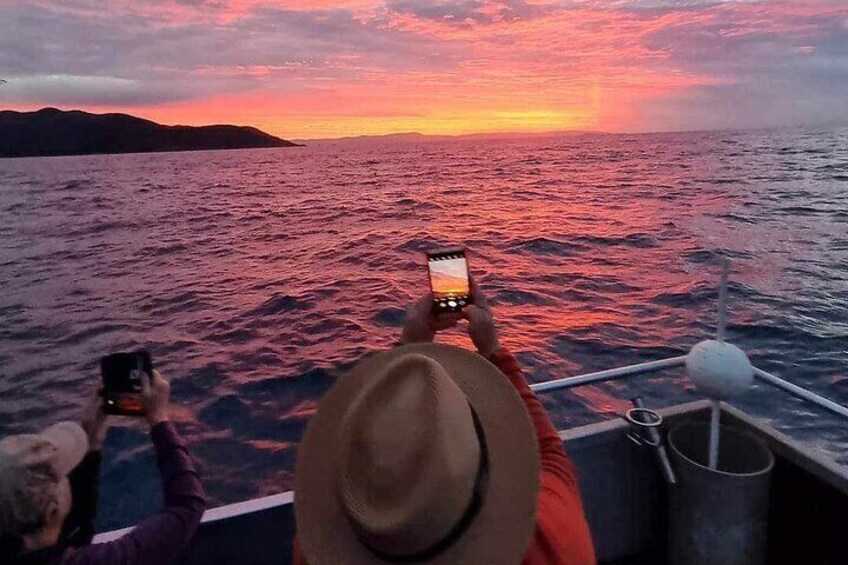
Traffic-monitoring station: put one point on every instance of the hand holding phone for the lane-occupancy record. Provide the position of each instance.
(93, 420)
(449, 280)
(156, 395)
(420, 324)
(122, 382)
(481, 324)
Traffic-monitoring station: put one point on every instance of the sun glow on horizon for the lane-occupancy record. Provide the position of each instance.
(445, 123)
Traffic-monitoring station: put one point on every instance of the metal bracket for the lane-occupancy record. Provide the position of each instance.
(644, 430)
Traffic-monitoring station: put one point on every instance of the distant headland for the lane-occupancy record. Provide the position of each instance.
(421, 137)
(50, 131)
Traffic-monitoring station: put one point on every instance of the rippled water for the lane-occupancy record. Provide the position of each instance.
(255, 276)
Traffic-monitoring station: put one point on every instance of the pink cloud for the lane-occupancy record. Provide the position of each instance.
(315, 67)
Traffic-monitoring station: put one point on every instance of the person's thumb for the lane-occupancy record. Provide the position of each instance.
(145, 385)
(474, 314)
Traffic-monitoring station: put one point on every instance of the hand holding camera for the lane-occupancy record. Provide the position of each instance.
(454, 295)
(131, 387)
(156, 395)
(421, 323)
(481, 324)
(94, 421)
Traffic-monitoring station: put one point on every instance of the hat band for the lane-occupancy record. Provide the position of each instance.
(467, 517)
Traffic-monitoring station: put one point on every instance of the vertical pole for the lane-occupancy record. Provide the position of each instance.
(714, 433)
(715, 416)
(722, 303)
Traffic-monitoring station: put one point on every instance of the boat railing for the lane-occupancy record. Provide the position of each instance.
(671, 362)
(662, 364)
(256, 505)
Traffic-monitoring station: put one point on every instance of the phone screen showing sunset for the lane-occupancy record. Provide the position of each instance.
(449, 276)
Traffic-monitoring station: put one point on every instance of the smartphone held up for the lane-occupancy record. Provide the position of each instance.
(122, 385)
(449, 280)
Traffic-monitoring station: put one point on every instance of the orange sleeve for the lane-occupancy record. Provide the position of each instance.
(562, 535)
(297, 555)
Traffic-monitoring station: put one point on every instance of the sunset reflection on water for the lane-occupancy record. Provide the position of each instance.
(256, 277)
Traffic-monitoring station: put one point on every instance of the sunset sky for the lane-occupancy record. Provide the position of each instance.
(331, 68)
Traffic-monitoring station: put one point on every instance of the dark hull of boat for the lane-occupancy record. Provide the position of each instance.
(624, 495)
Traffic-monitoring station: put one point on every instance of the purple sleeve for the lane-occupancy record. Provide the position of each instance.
(78, 529)
(160, 538)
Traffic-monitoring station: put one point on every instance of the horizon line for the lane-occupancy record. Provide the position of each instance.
(565, 132)
(478, 134)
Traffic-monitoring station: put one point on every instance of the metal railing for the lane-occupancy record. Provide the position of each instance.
(662, 364)
(610, 374)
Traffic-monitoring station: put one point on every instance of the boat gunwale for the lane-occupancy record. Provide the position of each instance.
(813, 461)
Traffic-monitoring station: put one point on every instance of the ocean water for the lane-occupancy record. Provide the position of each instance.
(255, 277)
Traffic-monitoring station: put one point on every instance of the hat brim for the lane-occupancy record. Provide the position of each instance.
(71, 443)
(504, 525)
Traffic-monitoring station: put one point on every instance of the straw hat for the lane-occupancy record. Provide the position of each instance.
(421, 454)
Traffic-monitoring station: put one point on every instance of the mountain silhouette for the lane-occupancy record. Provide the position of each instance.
(55, 132)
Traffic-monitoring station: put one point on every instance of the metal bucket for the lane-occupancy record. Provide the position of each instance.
(718, 517)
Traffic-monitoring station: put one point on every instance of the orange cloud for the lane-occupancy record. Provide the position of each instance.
(315, 68)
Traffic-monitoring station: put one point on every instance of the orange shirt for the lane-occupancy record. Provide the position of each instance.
(562, 534)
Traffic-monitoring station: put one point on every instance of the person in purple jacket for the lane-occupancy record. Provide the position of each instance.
(48, 493)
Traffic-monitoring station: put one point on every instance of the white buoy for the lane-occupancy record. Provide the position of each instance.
(719, 370)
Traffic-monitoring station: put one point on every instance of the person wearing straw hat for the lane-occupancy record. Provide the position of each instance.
(434, 454)
(48, 492)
